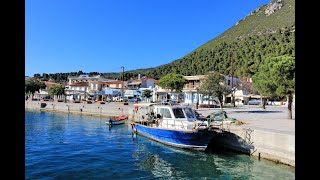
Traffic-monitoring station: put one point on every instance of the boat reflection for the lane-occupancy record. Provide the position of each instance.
(165, 161)
(159, 167)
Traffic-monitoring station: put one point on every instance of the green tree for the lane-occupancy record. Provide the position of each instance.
(213, 86)
(31, 86)
(146, 93)
(37, 75)
(173, 82)
(80, 73)
(276, 78)
(56, 90)
(45, 77)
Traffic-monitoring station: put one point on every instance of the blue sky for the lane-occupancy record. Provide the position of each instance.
(103, 35)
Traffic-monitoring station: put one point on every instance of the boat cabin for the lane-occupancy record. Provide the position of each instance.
(175, 112)
(173, 117)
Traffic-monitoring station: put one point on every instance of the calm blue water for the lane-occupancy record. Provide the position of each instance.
(66, 146)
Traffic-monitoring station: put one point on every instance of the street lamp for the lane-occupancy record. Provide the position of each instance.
(122, 83)
(65, 93)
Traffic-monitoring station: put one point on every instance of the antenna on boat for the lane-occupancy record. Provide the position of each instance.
(221, 109)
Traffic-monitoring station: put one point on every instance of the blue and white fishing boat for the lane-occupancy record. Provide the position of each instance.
(175, 126)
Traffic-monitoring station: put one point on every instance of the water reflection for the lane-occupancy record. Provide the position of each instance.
(88, 149)
(158, 166)
(166, 161)
(163, 160)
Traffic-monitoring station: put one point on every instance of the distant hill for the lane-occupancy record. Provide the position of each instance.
(259, 22)
(269, 30)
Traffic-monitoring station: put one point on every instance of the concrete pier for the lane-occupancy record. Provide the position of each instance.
(266, 133)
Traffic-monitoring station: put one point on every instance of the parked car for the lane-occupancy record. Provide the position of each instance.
(134, 100)
(254, 102)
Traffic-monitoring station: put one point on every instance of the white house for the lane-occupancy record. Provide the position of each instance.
(85, 78)
(77, 90)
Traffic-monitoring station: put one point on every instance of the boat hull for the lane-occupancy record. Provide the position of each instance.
(197, 140)
(116, 122)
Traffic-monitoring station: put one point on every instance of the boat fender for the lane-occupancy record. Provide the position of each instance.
(135, 108)
(194, 125)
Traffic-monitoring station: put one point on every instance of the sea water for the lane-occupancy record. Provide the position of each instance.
(68, 146)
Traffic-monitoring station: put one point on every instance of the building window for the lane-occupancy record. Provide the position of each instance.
(228, 82)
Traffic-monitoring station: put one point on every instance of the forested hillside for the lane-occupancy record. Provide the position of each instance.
(247, 55)
(267, 31)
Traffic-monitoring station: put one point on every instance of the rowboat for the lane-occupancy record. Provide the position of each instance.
(115, 120)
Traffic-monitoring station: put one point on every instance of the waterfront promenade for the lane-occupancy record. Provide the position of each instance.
(273, 118)
(265, 133)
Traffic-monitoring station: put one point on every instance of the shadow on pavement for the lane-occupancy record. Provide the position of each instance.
(257, 111)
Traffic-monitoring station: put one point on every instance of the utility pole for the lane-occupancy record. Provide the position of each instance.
(122, 95)
(232, 90)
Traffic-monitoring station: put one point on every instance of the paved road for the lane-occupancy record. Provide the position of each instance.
(273, 118)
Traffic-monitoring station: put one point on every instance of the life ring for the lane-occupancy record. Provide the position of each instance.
(135, 108)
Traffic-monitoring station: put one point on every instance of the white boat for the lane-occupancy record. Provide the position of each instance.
(174, 125)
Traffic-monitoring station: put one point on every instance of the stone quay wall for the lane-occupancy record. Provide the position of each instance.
(108, 109)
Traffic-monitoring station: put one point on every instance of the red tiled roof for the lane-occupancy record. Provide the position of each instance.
(80, 84)
(112, 82)
(51, 83)
(134, 83)
(96, 82)
(146, 78)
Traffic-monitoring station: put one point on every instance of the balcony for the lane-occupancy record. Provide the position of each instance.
(94, 89)
(191, 86)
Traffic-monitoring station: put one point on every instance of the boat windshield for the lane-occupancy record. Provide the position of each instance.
(189, 113)
(178, 113)
(165, 113)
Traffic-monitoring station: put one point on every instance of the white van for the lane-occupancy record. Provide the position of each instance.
(120, 99)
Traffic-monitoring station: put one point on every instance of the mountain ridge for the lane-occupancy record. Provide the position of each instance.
(266, 23)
